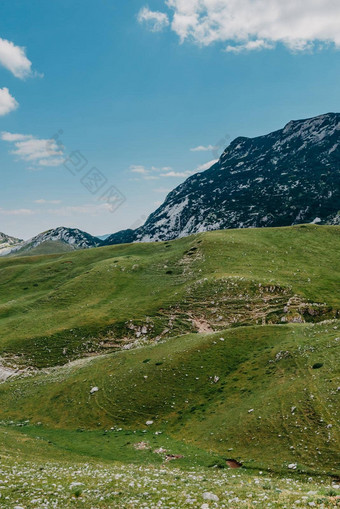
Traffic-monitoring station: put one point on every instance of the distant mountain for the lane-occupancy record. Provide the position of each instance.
(7, 242)
(103, 237)
(287, 177)
(58, 240)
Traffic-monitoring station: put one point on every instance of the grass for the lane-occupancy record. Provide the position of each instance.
(57, 308)
(173, 404)
(58, 478)
(253, 397)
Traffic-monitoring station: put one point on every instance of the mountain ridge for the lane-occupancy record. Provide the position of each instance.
(298, 165)
(54, 241)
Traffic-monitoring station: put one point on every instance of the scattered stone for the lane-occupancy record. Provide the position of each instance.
(141, 446)
(94, 389)
(292, 466)
(161, 450)
(210, 496)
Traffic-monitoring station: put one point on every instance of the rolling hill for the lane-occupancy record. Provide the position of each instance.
(220, 346)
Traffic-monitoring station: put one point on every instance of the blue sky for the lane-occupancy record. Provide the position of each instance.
(132, 88)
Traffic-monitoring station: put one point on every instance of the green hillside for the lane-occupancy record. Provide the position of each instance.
(45, 248)
(266, 396)
(217, 347)
(60, 307)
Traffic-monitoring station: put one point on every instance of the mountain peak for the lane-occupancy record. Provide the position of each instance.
(290, 176)
(56, 240)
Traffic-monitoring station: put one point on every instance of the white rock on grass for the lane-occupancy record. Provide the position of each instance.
(94, 389)
(149, 423)
(292, 466)
(210, 496)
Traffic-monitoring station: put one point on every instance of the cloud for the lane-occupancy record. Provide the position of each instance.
(40, 152)
(206, 166)
(139, 169)
(43, 202)
(188, 173)
(250, 46)
(156, 21)
(246, 25)
(7, 102)
(148, 174)
(177, 174)
(202, 148)
(14, 59)
(16, 212)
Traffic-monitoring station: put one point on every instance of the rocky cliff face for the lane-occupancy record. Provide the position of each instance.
(287, 177)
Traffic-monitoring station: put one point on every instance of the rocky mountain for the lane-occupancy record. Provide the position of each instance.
(287, 177)
(57, 240)
(7, 242)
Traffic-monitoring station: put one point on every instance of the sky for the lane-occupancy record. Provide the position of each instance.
(106, 106)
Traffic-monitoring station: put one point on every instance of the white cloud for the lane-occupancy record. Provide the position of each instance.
(202, 148)
(5, 136)
(250, 46)
(205, 166)
(40, 152)
(139, 169)
(156, 21)
(16, 212)
(253, 24)
(178, 174)
(188, 173)
(7, 102)
(42, 201)
(14, 59)
(148, 174)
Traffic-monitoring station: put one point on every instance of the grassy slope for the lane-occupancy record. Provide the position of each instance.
(81, 300)
(267, 369)
(45, 248)
(55, 308)
(67, 480)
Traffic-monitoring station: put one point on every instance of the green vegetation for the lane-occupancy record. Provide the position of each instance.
(249, 393)
(58, 478)
(57, 308)
(143, 359)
